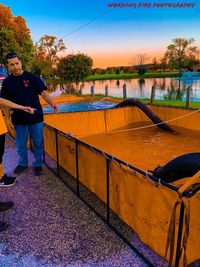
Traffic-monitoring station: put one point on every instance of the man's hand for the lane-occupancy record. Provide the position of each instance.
(48, 99)
(28, 109)
(55, 108)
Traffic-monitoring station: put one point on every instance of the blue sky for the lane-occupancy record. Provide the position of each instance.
(118, 34)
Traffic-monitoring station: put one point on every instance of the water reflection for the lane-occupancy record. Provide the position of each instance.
(166, 88)
(173, 94)
(163, 84)
(141, 82)
(118, 83)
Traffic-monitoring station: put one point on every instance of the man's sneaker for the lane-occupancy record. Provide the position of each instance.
(10, 178)
(37, 170)
(3, 226)
(19, 169)
(7, 181)
(6, 206)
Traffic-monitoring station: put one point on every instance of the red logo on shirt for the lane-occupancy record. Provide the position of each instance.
(26, 83)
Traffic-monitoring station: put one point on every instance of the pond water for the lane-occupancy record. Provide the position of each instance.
(166, 88)
(79, 106)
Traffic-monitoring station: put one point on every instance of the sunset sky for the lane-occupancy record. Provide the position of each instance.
(111, 36)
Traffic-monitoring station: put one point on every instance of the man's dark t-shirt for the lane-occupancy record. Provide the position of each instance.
(24, 90)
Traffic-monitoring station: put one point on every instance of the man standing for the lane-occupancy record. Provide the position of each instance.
(23, 88)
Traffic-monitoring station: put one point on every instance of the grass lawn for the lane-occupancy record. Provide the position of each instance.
(131, 75)
(121, 76)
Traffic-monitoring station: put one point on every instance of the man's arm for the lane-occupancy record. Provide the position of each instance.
(6, 110)
(9, 104)
(48, 99)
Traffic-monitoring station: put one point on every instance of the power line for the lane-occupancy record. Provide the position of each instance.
(84, 25)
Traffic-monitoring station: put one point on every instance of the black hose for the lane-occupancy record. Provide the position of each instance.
(135, 102)
(183, 166)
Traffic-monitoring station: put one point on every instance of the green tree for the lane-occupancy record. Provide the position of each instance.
(125, 69)
(110, 70)
(8, 43)
(15, 36)
(190, 63)
(75, 68)
(154, 65)
(117, 71)
(41, 67)
(163, 64)
(180, 52)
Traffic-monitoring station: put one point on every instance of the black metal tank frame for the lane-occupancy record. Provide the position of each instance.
(187, 193)
(136, 103)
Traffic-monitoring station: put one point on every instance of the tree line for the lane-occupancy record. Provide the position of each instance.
(180, 55)
(42, 57)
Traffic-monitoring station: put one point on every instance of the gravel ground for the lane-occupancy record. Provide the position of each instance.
(50, 226)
